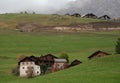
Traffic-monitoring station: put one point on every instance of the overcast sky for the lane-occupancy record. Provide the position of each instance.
(40, 6)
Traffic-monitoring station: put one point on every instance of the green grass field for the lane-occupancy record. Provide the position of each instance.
(77, 45)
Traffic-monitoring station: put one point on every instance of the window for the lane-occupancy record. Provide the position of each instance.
(37, 72)
(23, 67)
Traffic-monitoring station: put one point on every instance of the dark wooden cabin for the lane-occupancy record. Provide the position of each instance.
(89, 15)
(98, 54)
(75, 62)
(47, 59)
(76, 15)
(105, 17)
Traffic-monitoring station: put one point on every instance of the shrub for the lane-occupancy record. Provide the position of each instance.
(117, 47)
(15, 71)
(43, 68)
(20, 57)
(65, 56)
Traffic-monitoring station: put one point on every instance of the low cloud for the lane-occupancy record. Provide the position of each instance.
(40, 6)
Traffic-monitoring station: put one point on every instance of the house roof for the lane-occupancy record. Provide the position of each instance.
(105, 16)
(97, 52)
(75, 62)
(76, 14)
(31, 58)
(89, 14)
(47, 57)
(60, 60)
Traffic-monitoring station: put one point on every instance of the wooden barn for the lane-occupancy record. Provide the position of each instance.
(98, 54)
(76, 15)
(29, 67)
(105, 17)
(75, 62)
(89, 15)
(59, 64)
(47, 59)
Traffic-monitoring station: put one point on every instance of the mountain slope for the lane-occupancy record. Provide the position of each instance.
(99, 7)
(103, 70)
(12, 20)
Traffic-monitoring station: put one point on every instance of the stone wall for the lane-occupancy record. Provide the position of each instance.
(97, 26)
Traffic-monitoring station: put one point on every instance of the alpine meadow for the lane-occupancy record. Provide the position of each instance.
(78, 45)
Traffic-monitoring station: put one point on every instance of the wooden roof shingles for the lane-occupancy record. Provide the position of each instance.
(101, 53)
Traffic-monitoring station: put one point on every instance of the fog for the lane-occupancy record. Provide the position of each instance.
(38, 6)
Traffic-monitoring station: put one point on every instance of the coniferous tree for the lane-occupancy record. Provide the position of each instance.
(26, 12)
(117, 48)
(33, 12)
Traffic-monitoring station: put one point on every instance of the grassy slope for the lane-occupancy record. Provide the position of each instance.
(78, 46)
(11, 20)
(103, 70)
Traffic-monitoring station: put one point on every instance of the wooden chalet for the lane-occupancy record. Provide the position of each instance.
(47, 59)
(105, 17)
(98, 54)
(76, 15)
(89, 15)
(75, 62)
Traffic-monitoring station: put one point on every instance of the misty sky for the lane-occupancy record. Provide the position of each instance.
(39, 6)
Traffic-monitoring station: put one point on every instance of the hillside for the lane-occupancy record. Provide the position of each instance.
(98, 7)
(100, 70)
(77, 45)
(12, 20)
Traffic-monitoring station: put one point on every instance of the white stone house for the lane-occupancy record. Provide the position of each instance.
(29, 68)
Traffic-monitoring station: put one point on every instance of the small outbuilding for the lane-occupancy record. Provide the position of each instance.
(89, 15)
(75, 62)
(59, 64)
(105, 17)
(76, 15)
(98, 54)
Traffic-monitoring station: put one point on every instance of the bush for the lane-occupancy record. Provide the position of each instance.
(43, 68)
(117, 48)
(65, 56)
(15, 71)
(20, 57)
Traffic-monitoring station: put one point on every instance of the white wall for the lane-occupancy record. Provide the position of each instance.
(24, 69)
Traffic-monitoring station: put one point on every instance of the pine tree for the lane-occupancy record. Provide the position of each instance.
(117, 48)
